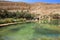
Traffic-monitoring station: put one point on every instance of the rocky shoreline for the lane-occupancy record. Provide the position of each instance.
(6, 24)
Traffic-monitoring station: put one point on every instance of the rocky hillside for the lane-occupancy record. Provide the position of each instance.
(38, 8)
(13, 5)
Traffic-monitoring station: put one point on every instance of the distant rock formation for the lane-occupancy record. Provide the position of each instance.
(37, 8)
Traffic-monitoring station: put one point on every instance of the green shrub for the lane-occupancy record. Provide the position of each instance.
(11, 20)
(1, 21)
(55, 22)
(22, 20)
(7, 20)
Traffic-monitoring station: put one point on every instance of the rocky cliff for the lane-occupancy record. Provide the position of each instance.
(38, 8)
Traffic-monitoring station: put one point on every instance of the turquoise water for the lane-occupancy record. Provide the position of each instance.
(26, 31)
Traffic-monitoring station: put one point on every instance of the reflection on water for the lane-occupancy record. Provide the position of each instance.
(28, 31)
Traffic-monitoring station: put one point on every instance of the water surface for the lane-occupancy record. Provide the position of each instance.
(26, 31)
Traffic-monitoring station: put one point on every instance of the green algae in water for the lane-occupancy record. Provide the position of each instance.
(28, 31)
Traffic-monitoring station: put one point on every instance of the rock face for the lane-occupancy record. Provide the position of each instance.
(36, 8)
(13, 5)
